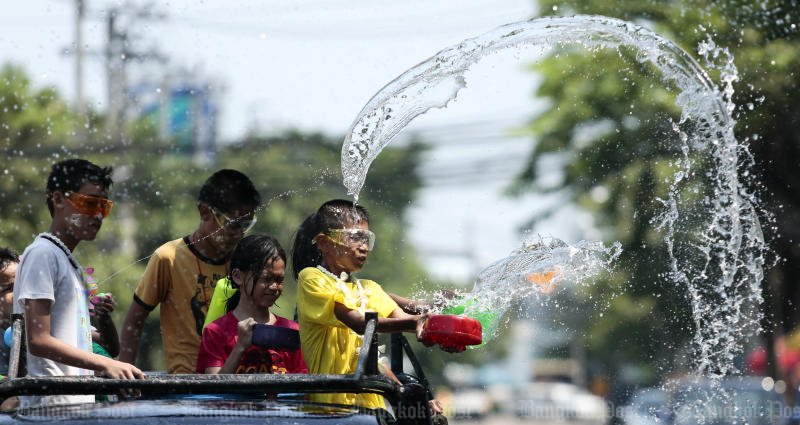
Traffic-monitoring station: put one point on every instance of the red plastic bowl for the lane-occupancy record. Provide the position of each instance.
(452, 332)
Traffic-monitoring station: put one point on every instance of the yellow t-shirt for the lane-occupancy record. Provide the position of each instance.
(182, 281)
(329, 346)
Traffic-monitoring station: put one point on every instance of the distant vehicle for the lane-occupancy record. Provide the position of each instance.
(471, 403)
(559, 402)
(237, 399)
(731, 401)
(648, 406)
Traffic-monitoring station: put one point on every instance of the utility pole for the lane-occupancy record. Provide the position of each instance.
(114, 56)
(119, 51)
(79, 102)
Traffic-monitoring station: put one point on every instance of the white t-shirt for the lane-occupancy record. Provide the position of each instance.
(46, 272)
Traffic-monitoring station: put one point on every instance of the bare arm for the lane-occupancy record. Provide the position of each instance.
(131, 332)
(411, 306)
(41, 343)
(398, 321)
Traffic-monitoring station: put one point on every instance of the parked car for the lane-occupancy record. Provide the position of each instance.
(471, 403)
(559, 402)
(239, 399)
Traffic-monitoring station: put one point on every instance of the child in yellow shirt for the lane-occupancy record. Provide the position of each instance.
(329, 247)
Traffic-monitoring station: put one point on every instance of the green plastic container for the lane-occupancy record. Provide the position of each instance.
(489, 319)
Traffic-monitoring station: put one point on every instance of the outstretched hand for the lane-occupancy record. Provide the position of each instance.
(422, 323)
(442, 298)
(115, 369)
(103, 305)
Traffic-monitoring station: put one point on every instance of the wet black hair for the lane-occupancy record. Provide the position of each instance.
(228, 189)
(69, 175)
(251, 254)
(7, 257)
(334, 214)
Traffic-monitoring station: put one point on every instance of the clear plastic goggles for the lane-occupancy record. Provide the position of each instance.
(352, 237)
(243, 223)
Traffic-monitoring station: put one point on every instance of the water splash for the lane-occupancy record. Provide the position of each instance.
(720, 265)
(538, 267)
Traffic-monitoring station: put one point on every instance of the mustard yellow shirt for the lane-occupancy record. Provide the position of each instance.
(181, 280)
(329, 346)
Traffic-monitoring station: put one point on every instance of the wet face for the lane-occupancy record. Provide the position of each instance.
(345, 250)
(226, 228)
(264, 291)
(82, 211)
(7, 276)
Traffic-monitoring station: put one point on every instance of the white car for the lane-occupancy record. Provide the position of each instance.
(560, 402)
(471, 403)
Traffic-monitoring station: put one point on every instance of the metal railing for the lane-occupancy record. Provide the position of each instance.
(366, 379)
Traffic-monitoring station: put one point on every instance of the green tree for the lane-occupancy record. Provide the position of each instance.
(156, 187)
(612, 116)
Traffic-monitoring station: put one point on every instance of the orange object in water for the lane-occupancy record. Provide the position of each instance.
(452, 332)
(546, 280)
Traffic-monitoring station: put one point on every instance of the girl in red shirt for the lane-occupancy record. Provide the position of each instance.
(257, 271)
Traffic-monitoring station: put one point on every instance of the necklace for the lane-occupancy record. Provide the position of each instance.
(57, 242)
(88, 284)
(352, 296)
(343, 277)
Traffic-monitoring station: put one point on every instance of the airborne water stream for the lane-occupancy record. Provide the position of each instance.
(716, 249)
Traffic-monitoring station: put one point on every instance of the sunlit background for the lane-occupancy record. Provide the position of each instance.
(169, 93)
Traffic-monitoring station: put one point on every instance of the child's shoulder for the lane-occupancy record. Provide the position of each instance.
(312, 273)
(369, 282)
(40, 252)
(169, 248)
(286, 323)
(310, 269)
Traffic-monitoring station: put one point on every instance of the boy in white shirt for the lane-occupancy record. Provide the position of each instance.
(51, 289)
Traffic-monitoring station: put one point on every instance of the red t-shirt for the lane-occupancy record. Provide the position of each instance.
(220, 336)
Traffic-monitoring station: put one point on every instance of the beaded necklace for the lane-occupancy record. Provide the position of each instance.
(88, 284)
(353, 296)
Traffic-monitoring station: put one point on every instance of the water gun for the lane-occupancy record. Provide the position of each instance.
(91, 284)
(452, 333)
(469, 307)
(93, 291)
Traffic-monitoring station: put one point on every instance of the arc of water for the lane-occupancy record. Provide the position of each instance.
(436, 81)
(732, 244)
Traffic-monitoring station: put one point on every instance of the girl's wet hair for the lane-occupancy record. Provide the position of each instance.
(251, 254)
(334, 214)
